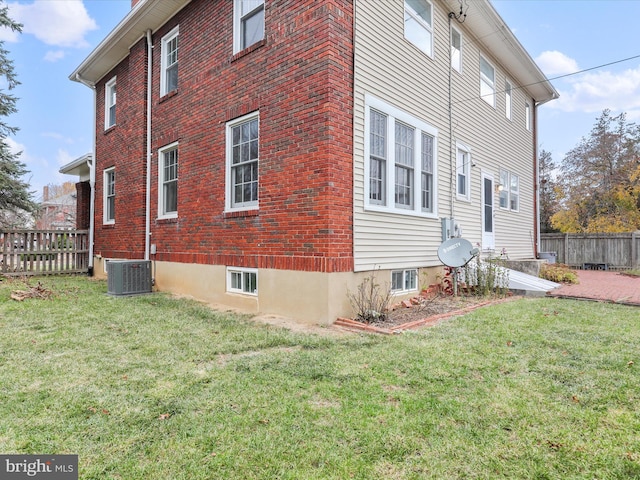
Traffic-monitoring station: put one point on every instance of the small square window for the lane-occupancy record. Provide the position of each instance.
(404, 280)
(242, 280)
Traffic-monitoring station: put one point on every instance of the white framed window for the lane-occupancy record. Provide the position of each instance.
(508, 99)
(456, 50)
(404, 280)
(109, 200)
(418, 24)
(248, 23)
(487, 82)
(463, 171)
(243, 136)
(168, 181)
(527, 115)
(110, 103)
(400, 161)
(169, 62)
(242, 280)
(509, 191)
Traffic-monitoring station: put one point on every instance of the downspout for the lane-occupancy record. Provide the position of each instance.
(147, 232)
(536, 182)
(92, 175)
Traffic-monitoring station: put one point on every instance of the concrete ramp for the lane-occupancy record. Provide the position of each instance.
(524, 284)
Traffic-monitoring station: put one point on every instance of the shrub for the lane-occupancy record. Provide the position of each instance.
(371, 300)
(559, 273)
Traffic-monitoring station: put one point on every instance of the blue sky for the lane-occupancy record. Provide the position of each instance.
(563, 36)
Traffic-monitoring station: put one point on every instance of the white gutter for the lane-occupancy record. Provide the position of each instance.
(92, 173)
(147, 231)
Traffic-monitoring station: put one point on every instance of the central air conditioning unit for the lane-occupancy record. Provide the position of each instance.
(128, 277)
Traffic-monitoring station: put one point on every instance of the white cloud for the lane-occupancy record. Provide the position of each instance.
(54, 55)
(61, 23)
(554, 63)
(594, 91)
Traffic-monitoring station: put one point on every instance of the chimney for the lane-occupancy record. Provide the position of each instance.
(133, 3)
(45, 193)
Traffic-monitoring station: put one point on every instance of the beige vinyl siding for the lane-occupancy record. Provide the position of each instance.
(391, 69)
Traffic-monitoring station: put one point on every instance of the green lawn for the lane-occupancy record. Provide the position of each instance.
(154, 387)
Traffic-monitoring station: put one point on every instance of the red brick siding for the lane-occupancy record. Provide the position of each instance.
(83, 205)
(300, 79)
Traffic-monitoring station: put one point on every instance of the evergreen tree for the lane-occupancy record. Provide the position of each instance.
(549, 191)
(16, 201)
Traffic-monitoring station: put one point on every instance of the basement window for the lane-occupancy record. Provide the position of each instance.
(404, 280)
(242, 280)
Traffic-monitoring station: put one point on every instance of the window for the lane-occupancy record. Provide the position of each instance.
(168, 181)
(404, 166)
(169, 63)
(509, 191)
(110, 103)
(456, 50)
(242, 280)
(427, 173)
(508, 91)
(463, 168)
(242, 163)
(109, 203)
(487, 82)
(418, 24)
(248, 25)
(404, 280)
(527, 116)
(401, 175)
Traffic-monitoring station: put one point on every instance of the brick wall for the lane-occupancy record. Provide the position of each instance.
(83, 205)
(300, 80)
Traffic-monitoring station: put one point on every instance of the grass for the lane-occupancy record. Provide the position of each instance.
(152, 387)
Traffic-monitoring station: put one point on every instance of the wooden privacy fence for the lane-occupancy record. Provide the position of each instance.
(610, 251)
(43, 252)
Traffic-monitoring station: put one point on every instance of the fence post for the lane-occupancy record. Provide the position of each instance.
(565, 248)
(634, 250)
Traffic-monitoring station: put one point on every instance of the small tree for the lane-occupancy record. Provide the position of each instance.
(16, 201)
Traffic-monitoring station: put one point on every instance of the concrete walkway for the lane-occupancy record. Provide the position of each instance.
(602, 286)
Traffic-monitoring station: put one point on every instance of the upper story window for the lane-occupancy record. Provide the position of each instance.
(487, 82)
(242, 163)
(400, 161)
(109, 200)
(463, 172)
(168, 181)
(456, 50)
(508, 92)
(248, 24)
(527, 116)
(509, 191)
(110, 103)
(418, 24)
(169, 62)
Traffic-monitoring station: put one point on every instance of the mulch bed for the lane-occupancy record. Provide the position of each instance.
(418, 312)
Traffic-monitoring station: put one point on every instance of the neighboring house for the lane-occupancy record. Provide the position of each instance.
(268, 155)
(58, 208)
(81, 167)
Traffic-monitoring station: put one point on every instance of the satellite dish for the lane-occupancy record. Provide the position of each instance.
(456, 252)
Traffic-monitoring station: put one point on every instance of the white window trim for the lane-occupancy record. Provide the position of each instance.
(163, 58)
(515, 191)
(243, 271)
(237, 25)
(161, 152)
(466, 149)
(394, 114)
(228, 201)
(105, 220)
(490, 99)
(107, 105)
(527, 115)
(508, 104)
(428, 27)
(457, 68)
(405, 272)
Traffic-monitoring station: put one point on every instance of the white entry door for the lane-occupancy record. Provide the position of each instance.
(488, 230)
